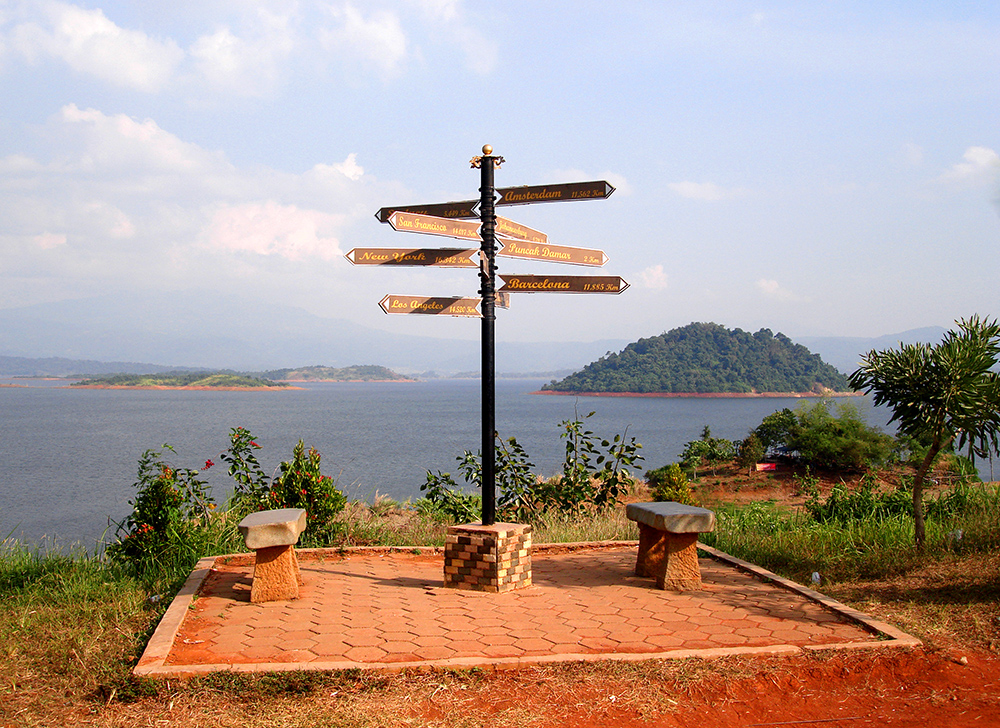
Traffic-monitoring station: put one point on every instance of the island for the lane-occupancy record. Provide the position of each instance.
(356, 373)
(181, 380)
(707, 360)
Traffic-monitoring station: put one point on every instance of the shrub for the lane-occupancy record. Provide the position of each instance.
(301, 484)
(170, 506)
(669, 483)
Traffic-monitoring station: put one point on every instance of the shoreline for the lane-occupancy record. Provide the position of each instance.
(705, 395)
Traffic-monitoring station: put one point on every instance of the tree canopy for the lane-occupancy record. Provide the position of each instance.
(707, 358)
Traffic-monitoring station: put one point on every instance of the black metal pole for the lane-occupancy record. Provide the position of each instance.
(487, 276)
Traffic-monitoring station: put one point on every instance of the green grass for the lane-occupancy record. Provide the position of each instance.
(793, 544)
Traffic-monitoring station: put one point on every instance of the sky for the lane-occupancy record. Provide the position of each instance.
(819, 169)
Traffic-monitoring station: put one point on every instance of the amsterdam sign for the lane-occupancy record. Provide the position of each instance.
(409, 222)
(554, 193)
(562, 284)
(434, 305)
(437, 257)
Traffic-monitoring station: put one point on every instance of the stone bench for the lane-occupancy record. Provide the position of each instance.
(668, 538)
(273, 535)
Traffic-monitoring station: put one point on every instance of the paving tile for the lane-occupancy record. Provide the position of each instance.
(379, 608)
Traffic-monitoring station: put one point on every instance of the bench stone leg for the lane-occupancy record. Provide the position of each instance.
(671, 558)
(275, 575)
(650, 550)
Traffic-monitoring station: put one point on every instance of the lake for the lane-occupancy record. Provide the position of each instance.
(68, 456)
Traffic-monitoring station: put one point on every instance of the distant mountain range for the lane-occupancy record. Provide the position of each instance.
(214, 331)
(159, 332)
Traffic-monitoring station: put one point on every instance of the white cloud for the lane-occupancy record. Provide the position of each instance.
(377, 40)
(47, 241)
(705, 191)
(771, 289)
(913, 154)
(272, 229)
(349, 167)
(91, 44)
(654, 277)
(121, 141)
(981, 164)
(248, 66)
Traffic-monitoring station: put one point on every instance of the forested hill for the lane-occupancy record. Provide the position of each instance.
(707, 358)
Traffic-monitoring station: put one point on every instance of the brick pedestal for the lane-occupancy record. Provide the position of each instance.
(493, 558)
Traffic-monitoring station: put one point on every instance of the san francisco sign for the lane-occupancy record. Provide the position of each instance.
(410, 222)
(562, 284)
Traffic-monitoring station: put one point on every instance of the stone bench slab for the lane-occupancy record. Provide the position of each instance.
(672, 517)
(281, 527)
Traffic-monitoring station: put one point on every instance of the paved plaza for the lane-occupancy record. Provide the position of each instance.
(389, 609)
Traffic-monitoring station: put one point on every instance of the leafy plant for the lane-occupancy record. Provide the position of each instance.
(251, 483)
(590, 479)
(445, 497)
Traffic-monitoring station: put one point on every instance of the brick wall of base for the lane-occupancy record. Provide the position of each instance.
(493, 558)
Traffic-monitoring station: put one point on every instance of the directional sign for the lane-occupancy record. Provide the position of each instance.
(465, 208)
(438, 257)
(554, 193)
(563, 284)
(516, 231)
(552, 253)
(434, 305)
(409, 222)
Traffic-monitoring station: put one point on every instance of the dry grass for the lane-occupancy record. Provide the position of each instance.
(945, 603)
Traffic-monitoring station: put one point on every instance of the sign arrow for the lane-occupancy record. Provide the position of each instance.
(409, 222)
(438, 257)
(554, 193)
(562, 284)
(433, 305)
(552, 253)
(463, 209)
(516, 231)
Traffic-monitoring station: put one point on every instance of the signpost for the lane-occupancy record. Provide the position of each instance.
(494, 236)
(563, 284)
(437, 257)
(434, 305)
(509, 229)
(552, 253)
(464, 209)
(598, 190)
(409, 222)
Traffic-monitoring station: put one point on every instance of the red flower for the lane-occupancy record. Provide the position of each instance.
(208, 464)
(254, 444)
